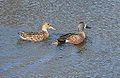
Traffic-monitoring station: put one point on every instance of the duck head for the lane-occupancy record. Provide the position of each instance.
(47, 26)
(82, 26)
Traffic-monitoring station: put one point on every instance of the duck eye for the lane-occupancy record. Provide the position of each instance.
(49, 24)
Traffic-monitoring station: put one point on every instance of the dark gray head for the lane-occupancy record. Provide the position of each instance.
(82, 26)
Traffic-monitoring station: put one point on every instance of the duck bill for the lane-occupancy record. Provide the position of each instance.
(52, 28)
(88, 27)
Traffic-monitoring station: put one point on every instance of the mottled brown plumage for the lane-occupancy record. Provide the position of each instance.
(37, 36)
(76, 39)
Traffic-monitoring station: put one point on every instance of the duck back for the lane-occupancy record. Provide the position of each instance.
(62, 38)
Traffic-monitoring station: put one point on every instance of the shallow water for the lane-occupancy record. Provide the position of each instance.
(97, 57)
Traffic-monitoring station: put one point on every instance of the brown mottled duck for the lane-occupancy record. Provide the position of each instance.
(37, 36)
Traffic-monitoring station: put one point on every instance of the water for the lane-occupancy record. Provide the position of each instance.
(97, 57)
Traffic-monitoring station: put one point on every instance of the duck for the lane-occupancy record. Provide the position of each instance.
(73, 38)
(37, 36)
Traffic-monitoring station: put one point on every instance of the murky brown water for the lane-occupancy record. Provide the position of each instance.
(97, 57)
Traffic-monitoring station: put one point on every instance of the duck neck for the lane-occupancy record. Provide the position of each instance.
(81, 29)
(82, 33)
(45, 30)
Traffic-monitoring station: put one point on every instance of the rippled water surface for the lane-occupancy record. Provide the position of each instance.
(97, 57)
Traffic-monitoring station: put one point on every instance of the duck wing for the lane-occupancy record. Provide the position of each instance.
(62, 38)
(33, 36)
